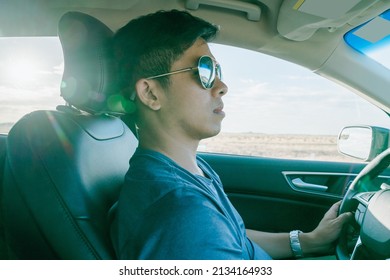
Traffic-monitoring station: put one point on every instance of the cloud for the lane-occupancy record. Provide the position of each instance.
(303, 106)
(59, 69)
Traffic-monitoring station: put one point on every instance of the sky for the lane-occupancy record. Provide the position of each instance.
(266, 95)
(30, 76)
(274, 96)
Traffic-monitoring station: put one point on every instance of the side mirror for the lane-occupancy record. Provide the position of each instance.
(363, 142)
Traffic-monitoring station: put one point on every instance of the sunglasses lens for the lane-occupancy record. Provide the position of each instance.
(219, 71)
(206, 70)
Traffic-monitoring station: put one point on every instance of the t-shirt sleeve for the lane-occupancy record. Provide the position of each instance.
(187, 225)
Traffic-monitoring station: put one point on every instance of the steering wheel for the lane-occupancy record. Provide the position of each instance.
(369, 204)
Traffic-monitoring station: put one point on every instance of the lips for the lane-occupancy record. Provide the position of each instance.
(219, 110)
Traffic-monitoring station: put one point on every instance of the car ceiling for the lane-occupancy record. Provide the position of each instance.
(289, 29)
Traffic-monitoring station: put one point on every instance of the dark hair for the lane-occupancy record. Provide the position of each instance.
(150, 44)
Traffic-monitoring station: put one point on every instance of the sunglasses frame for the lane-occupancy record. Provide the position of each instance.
(215, 71)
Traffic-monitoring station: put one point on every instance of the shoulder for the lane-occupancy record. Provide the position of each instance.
(148, 164)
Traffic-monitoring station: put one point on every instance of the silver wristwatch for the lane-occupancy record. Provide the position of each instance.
(295, 244)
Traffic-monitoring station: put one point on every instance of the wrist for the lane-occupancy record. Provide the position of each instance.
(295, 243)
(310, 244)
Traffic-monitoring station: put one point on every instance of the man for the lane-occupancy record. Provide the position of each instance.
(172, 205)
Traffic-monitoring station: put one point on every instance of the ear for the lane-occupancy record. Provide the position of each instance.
(148, 93)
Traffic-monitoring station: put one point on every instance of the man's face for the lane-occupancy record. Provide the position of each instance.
(189, 109)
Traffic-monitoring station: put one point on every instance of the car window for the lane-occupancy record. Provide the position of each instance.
(273, 108)
(278, 109)
(30, 77)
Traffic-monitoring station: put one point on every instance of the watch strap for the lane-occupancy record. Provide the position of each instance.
(295, 244)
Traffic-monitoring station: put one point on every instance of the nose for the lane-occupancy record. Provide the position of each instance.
(220, 88)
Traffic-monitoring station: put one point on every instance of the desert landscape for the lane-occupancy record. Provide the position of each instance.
(311, 147)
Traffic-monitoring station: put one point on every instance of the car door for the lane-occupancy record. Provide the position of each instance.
(280, 195)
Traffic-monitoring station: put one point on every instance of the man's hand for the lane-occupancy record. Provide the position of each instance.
(321, 239)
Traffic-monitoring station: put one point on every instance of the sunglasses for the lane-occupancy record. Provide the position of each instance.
(207, 69)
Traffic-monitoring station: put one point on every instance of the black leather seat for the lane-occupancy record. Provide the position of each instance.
(64, 168)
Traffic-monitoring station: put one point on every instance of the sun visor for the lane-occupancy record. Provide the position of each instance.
(299, 19)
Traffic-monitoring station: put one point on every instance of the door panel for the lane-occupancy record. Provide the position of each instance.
(264, 193)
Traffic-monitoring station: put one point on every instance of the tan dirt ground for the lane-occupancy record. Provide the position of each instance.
(312, 147)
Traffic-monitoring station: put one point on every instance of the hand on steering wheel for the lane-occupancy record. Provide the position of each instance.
(362, 199)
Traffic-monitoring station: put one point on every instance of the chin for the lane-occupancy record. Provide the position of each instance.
(211, 133)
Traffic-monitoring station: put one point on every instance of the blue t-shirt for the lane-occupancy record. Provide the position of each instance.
(165, 212)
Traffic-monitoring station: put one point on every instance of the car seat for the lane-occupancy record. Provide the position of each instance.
(64, 168)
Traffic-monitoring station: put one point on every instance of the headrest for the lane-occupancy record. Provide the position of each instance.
(88, 82)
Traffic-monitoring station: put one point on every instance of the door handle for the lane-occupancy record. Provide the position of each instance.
(308, 186)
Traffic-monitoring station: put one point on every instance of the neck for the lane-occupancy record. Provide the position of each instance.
(182, 151)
